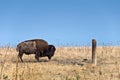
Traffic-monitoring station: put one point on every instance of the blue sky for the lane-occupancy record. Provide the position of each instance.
(60, 22)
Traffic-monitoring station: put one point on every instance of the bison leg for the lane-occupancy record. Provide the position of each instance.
(37, 56)
(20, 56)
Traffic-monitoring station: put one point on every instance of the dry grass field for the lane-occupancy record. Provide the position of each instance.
(68, 63)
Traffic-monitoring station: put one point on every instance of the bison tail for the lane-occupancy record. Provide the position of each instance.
(18, 47)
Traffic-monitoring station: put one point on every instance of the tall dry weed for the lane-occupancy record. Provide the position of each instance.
(3, 62)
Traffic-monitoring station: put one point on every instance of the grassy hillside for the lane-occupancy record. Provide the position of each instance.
(68, 63)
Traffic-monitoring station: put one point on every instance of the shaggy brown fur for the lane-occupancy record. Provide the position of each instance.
(34, 46)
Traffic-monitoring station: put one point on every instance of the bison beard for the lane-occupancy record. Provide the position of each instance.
(38, 47)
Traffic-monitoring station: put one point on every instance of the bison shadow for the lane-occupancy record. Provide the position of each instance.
(79, 62)
(30, 61)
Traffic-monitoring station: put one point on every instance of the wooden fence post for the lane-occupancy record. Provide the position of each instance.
(94, 55)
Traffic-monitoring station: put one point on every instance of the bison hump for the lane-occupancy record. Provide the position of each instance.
(42, 45)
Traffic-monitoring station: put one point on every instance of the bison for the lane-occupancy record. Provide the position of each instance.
(39, 47)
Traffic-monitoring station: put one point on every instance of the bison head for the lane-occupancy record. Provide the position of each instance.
(51, 51)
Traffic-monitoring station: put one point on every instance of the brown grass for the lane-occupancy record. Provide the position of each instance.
(68, 63)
